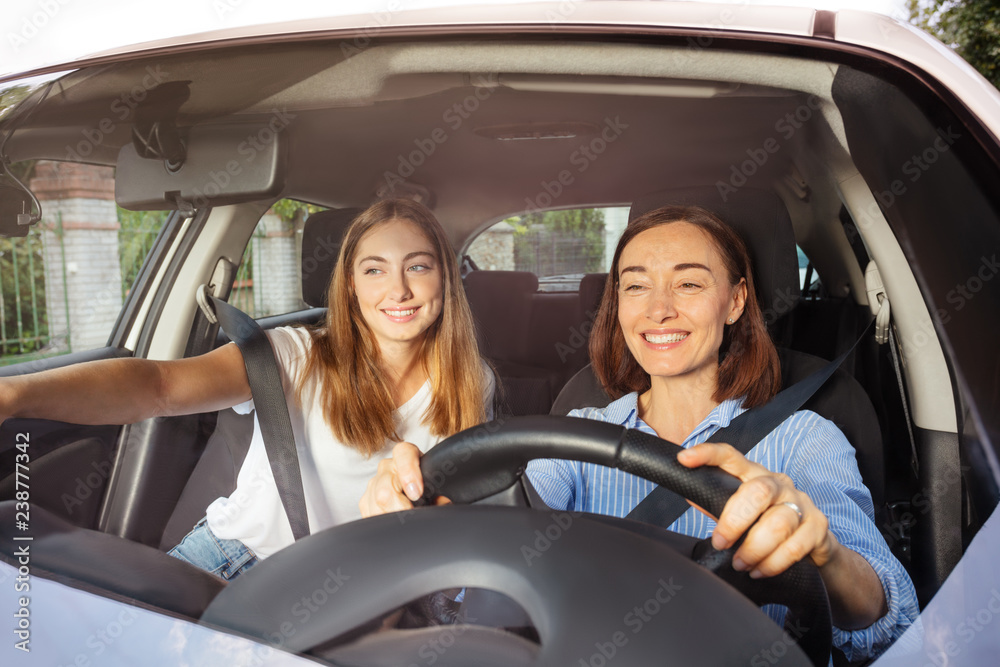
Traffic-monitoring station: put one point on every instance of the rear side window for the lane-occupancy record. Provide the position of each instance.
(560, 247)
(269, 279)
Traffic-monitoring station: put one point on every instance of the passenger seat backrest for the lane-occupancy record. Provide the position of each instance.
(321, 238)
(591, 291)
(501, 306)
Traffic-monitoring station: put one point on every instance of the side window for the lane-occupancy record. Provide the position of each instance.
(809, 281)
(557, 246)
(269, 280)
(63, 285)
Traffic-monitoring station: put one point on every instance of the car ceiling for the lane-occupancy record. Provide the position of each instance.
(678, 117)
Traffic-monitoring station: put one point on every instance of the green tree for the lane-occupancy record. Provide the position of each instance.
(136, 232)
(558, 242)
(971, 27)
(22, 295)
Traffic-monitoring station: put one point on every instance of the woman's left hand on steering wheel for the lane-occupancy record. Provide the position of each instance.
(781, 523)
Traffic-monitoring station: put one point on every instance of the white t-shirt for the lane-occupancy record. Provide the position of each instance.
(334, 476)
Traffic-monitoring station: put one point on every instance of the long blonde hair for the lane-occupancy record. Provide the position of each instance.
(357, 400)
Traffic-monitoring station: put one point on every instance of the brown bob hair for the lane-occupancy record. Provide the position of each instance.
(357, 400)
(748, 361)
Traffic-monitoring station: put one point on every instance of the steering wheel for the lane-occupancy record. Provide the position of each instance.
(594, 587)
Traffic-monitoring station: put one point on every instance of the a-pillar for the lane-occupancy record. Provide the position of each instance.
(83, 283)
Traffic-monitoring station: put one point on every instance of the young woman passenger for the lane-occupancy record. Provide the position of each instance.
(679, 341)
(395, 360)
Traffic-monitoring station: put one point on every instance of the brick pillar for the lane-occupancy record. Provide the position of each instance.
(493, 250)
(276, 282)
(83, 296)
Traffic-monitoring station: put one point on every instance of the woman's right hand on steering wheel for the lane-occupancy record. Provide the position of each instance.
(397, 484)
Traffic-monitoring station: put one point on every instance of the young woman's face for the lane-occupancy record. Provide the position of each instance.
(398, 281)
(674, 300)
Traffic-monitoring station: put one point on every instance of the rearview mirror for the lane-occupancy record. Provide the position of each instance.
(13, 202)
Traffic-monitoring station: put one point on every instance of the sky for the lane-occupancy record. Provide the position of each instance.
(39, 32)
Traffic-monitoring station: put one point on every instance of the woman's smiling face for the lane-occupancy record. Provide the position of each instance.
(398, 282)
(675, 300)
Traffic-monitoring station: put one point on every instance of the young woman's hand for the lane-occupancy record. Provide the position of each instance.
(397, 484)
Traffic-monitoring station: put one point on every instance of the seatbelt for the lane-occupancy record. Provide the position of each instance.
(662, 506)
(271, 407)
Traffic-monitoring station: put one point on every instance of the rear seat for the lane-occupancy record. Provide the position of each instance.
(535, 340)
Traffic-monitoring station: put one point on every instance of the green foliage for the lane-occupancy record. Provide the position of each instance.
(559, 242)
(136, 233)
(290, 209)
(22, 295)
(971, 27)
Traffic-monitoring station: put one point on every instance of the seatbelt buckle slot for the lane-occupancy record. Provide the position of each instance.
(878, 302)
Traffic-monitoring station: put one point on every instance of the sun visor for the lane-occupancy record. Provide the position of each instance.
(221, 164)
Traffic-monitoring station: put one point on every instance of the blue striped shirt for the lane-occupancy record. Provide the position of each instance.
(808, 448)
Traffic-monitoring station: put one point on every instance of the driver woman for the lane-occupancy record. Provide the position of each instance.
(680, 341)
(385, 366)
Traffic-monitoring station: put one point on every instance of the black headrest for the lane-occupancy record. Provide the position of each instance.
(321, 238)
(760, 217)
(591, 291)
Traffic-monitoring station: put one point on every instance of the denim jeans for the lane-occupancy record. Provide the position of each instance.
(223, 558)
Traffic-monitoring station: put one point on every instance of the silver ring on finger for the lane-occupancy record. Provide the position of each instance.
(795, 508)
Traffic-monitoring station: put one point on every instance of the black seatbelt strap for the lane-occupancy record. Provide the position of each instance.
(272, 410)
(662, 507)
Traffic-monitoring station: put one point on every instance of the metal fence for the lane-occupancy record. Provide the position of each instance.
(24, 328)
